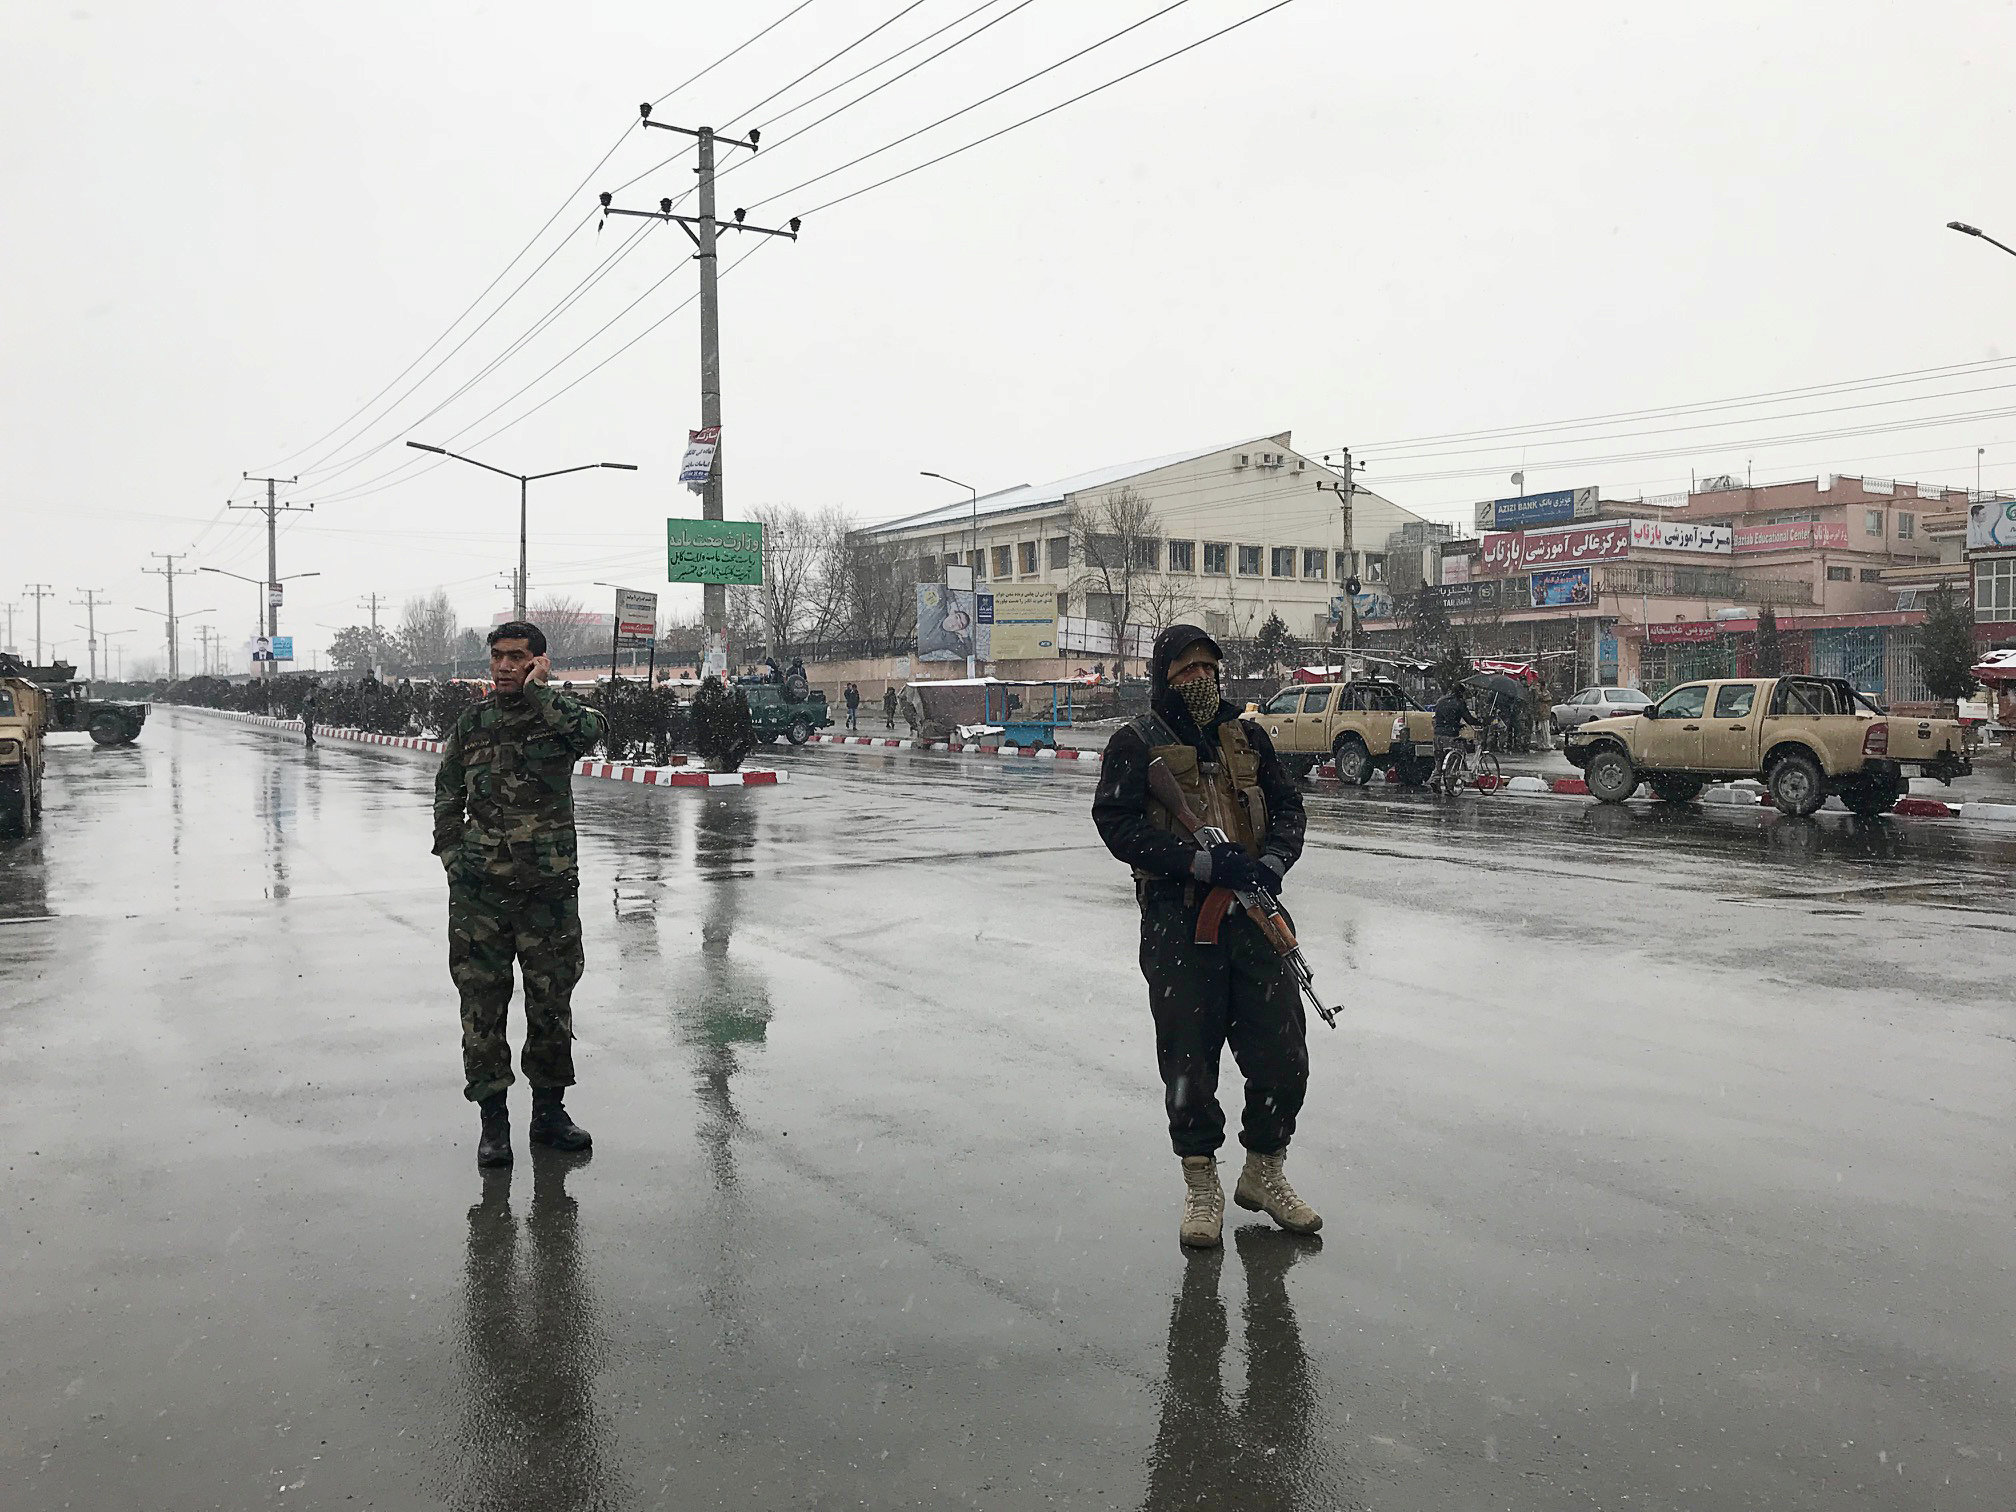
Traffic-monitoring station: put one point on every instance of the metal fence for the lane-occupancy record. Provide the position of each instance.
(1704, 582)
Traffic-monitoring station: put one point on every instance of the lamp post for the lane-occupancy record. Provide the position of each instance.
(174, 642)
(525, 480)
(973, 550)
(1966, 230)
(265, 590)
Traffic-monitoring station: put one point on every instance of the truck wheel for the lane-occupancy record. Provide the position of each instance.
(799, 733)
(1354, 762)
(16, 809)
(1871, 796)
(1797, 787)
(1611, 776)
(107, 729)
(1676, 789)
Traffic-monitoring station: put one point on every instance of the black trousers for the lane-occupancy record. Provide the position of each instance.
(1203, 997)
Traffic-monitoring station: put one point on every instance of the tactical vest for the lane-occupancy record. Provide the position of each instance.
(1225, 792)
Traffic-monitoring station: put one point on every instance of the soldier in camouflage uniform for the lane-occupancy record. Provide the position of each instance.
(504, 830)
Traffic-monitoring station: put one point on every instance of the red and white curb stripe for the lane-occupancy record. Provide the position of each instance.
(610, 771)
(1006, 752)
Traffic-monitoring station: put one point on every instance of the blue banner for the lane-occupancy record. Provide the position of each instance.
(1557, 586)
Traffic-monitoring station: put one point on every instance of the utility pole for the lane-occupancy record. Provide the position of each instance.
(274, 509)
(1347, 581)
(372, 604)
(171, 572)
(40, 592)
(89, 604)
(11, 607)
(703, 229)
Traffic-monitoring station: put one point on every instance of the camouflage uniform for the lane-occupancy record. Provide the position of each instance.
(504, 830)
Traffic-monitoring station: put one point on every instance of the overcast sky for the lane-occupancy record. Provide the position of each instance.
(231, 224)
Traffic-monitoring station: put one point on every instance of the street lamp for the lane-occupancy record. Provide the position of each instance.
(1966, 230)
(117, 651)
(524, 480)
(973, 550)
(174, 641)
(265, 588)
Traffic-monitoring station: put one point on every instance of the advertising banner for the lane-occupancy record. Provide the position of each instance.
(1991, 525)
(1521, 550)
(1018, 623)
(1684, 535)
(1456, 569)
(276, 595)
(1558, 586)
(713, 551)
(636, 617)
(1527, 510)
(697, 466)
(946, 619)
(1467, 598)
(1791, 535)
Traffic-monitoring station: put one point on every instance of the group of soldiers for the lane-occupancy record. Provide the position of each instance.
(504, 830)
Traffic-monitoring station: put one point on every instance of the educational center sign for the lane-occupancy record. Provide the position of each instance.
(714, 551)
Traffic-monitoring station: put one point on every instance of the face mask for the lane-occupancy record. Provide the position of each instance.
(1200, 696)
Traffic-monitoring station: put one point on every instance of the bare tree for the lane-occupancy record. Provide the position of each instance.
(791, 601)
(1160, 602)
(571, 632)
(879, 590)
(1116, 545)
(427, 629)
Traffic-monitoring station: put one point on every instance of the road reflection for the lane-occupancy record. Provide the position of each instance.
(1263, 1453)
(533, 1338)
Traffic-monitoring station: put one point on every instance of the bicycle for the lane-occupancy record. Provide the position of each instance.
(1467, 766)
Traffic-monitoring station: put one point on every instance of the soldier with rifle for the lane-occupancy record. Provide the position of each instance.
(1196, 801)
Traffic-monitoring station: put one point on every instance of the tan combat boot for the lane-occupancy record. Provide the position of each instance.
(1203, 1204)
(1263, 1188)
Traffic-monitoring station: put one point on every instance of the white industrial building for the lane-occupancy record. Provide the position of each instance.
(1245, 532)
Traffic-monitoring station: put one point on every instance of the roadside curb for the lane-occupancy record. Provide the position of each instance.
(1005, 752)
(675, 775)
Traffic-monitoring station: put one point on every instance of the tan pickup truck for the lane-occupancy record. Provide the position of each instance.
(1806, 737)
(24, 714)
(1351, 724)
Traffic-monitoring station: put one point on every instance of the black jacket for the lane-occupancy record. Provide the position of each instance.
(1451, 711)
(1120, 804)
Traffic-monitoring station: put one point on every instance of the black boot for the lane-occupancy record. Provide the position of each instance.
(493, 1147)
(551, 1125)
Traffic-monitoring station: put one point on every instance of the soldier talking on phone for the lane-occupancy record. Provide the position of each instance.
(504, 830)
(1239, 989)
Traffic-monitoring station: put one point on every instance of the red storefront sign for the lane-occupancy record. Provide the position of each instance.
(1683, 632)
(1522, 550)
(1792, 535)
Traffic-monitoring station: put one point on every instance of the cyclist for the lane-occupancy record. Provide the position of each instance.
(1452, 712)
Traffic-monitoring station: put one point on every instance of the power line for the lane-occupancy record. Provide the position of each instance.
(720, 60)
(985, 99)
(834, 58)
(1880, 380)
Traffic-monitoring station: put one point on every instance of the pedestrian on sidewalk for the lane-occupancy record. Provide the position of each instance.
(853, 707)
(889, 707)
(1238, 990)
(504, 830)
(308, 708)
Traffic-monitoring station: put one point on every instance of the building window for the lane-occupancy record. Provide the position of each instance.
(1282, 563)
(1648, 579)
(1907, 525)
(1249, 561)
(1060, 551)
(1063, 605)
(1343, 566)
(927, 569)
(1872, 522)
(1102, 608)
(1216, 621)
(951, 559)
(1312, 563)
(1217, 559)
(1004, 561)
(1840, 575)
(1872, 574)
(1027, 552)
(977, 560)
(1375, 567)
(1147, 554)
(1995, 589)
(1182, 556)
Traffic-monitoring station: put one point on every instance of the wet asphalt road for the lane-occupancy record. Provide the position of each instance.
(1666, 1160)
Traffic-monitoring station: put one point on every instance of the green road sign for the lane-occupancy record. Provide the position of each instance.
(713, 551)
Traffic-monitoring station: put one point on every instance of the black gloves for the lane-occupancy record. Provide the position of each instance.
(1232, 867)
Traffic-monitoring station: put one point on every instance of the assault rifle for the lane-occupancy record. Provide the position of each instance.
(1261, 906)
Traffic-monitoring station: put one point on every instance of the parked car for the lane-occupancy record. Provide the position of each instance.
(1352, 724)
(1597, 703)
(1808, 738)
